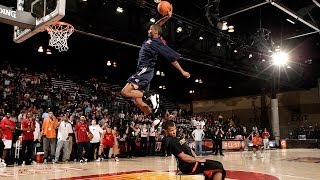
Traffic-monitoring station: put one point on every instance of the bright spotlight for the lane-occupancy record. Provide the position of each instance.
(179, 29)
(152, 20)
(119, 9)
(280, 58)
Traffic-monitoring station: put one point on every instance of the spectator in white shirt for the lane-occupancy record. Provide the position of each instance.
(96, 131)
(36, 136)
(144, 139)
(198, 135)
(64, 130)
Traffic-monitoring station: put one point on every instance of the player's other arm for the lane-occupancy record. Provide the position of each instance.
(189, 159)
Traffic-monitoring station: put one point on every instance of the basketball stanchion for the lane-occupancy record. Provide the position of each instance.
(59, 33)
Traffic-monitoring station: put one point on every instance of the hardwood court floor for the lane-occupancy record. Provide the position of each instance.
(292, 164)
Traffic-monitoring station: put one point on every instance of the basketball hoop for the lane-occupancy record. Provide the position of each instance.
(59, 33)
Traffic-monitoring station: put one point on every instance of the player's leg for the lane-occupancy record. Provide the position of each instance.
(131, 90)
(147, 110)
(143, 106)
(212, 170)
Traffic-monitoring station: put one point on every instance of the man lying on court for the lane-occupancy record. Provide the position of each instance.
(187, 159)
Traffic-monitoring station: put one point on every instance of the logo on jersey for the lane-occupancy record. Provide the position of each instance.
(182, 141)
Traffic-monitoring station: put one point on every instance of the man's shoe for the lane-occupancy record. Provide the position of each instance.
(155, 102)
(156, 122)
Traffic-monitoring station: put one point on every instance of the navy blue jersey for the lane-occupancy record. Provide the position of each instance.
(150, 51)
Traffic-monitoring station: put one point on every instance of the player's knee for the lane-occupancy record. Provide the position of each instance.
(124, 92)
(220, 165)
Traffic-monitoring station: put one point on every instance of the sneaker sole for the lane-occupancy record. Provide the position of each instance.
(156, 122)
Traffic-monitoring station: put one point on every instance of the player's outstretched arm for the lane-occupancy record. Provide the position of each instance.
(183, 72)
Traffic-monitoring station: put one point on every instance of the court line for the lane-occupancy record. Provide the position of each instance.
(299, 177)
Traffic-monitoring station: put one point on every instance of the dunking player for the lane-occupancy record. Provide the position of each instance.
(187, 159)
(148, 55)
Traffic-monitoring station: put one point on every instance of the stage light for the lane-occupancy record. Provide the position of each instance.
(280, 58)
(162, 74)
(197, 80)
(200, 38)
(158, 73)
(160, 87)
(119, 9)
(109, 63)
(179, 29)
(292, 22)
(152, 20)
(40, 49)
(250, 55)
(224, 26)
(230, 87)
(48, 51)
(218, 44)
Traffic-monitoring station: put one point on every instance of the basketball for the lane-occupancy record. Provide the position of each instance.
(164, 7)
(90, 136)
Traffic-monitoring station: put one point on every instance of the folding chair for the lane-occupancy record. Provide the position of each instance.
(18, 146)
(178, 172)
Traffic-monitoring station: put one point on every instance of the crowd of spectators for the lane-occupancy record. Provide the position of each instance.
(33, 96)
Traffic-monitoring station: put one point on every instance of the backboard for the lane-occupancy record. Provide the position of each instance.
(46, 13)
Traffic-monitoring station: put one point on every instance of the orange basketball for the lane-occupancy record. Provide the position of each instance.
(90, 136)
(164, 7)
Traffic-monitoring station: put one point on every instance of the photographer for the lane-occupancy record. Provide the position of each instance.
(219, 134)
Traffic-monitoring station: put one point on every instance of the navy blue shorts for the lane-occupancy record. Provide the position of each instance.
(142, 78)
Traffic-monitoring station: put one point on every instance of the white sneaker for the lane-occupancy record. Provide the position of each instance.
(155, 102)
(2, 163)
(156, 122)
(99, 159)
(116, 159)
(81, 161)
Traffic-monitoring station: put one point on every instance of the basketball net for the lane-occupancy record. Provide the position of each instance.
(59, 33)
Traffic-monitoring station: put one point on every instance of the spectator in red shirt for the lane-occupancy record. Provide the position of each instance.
(106, 143)
(82, 140)
(27, 128)
(7, 127)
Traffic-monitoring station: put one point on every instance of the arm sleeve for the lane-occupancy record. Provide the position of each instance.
(165, 51)
(2, 124)
(22, 124)
(70, 129)
(76, 127)
(175, 147)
